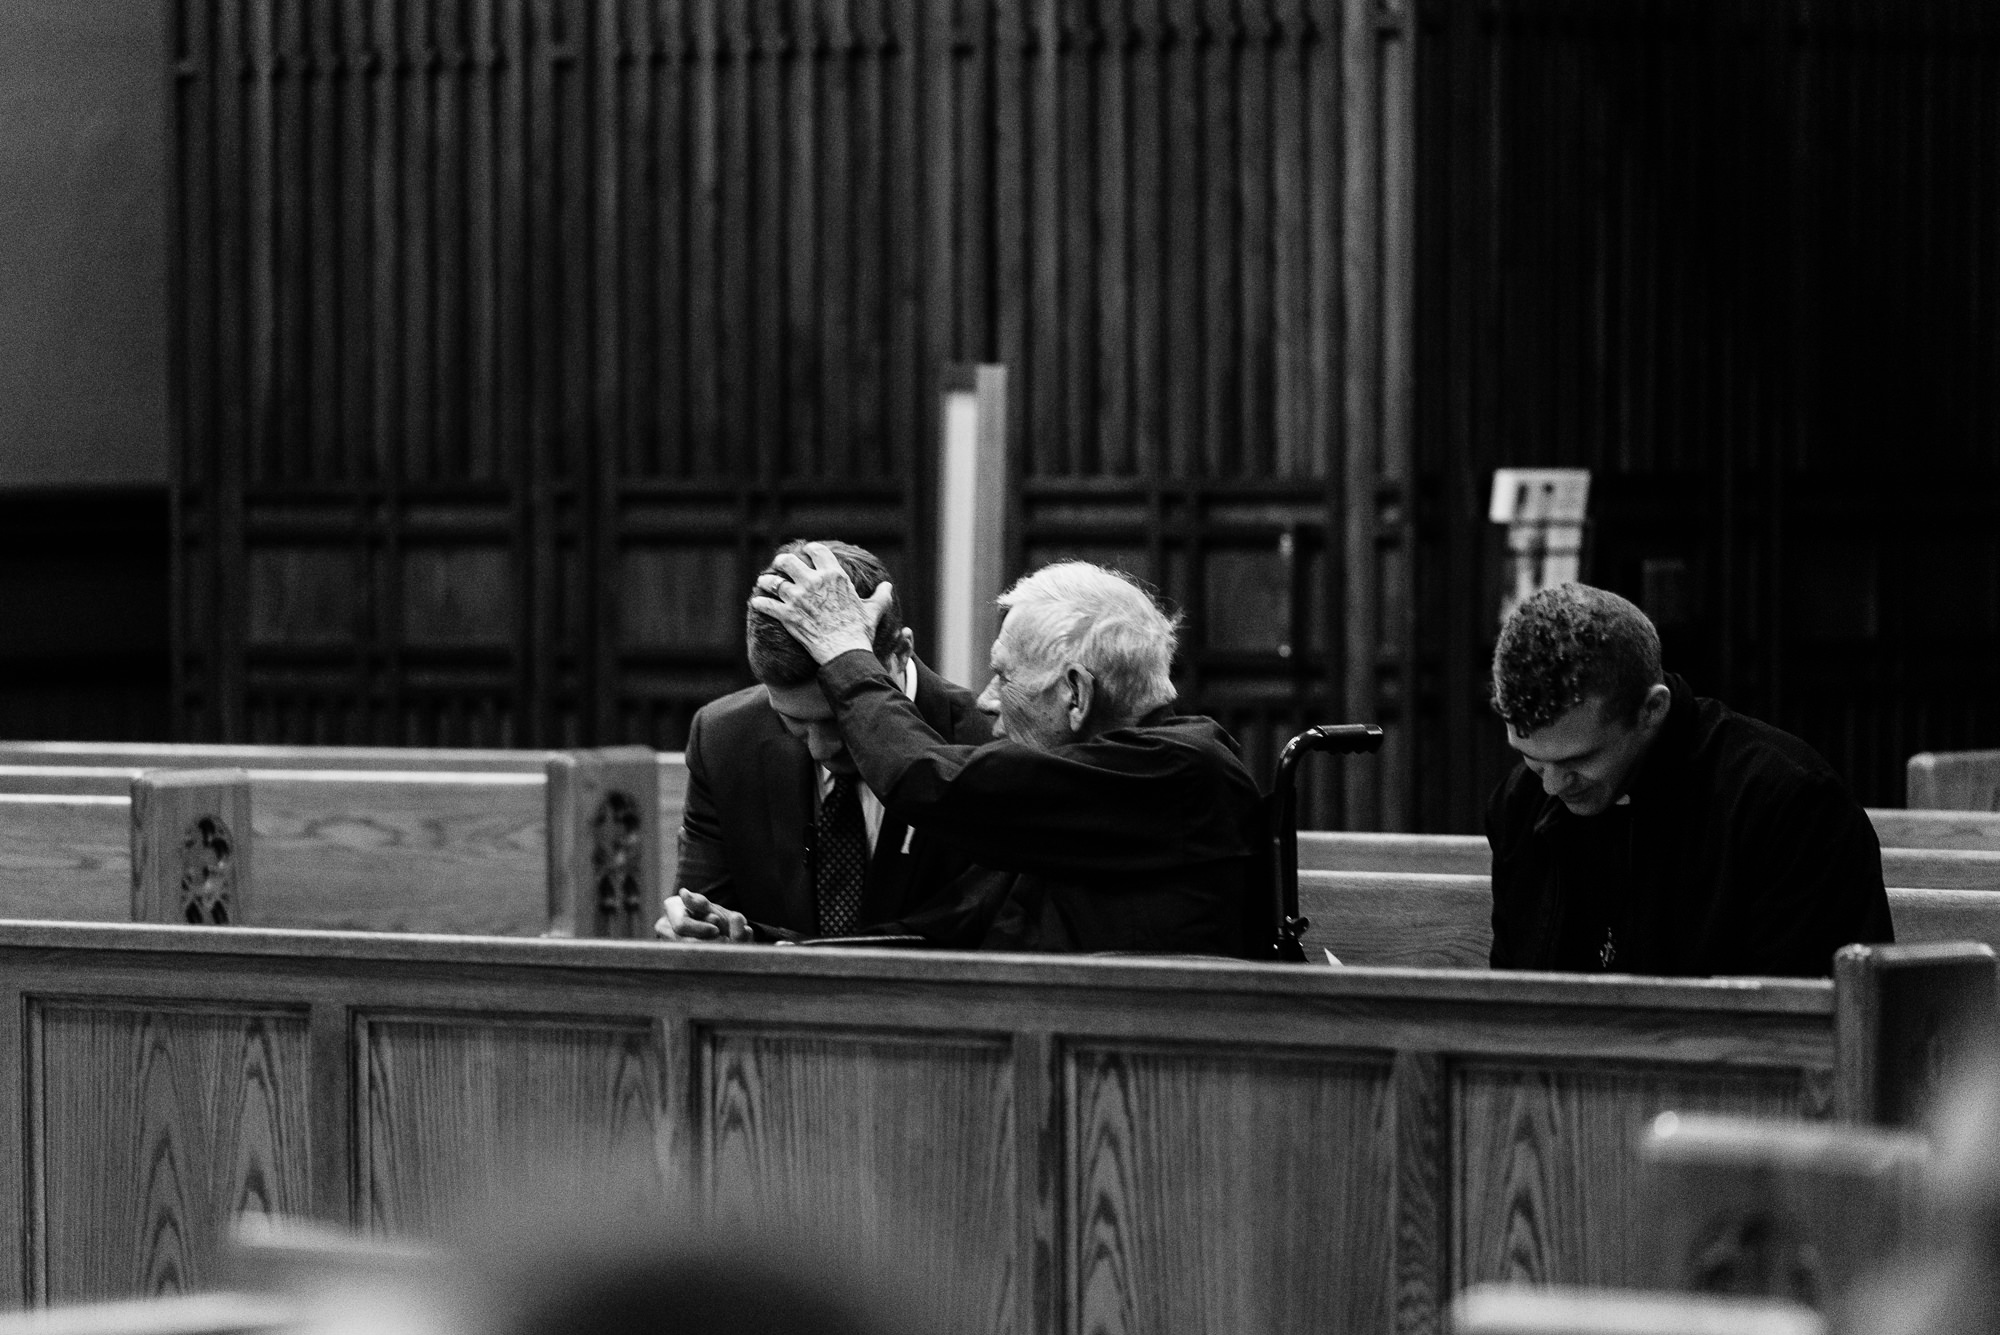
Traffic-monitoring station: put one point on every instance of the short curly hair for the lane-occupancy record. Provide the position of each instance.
(1566, 644)
(776, 659)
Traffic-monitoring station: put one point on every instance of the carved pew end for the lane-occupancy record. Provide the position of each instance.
(1498, 1309)
(604, 842)
(191, 846)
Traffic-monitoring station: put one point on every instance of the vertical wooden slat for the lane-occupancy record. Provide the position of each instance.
(452, 175)
(416, 233)
(1291, 275)
(1044, 196)
(704, 259)
(1254, 171)
(1185, 239)
(805, 353)
(1149, 257)
(262, 197)
(1104, 68)
(669, 452)
(838, 214)
(1222, 242)
(1077, 37)
(867, 221)
(770, 49)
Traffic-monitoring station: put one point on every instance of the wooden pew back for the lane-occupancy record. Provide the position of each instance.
(1390, 919)
(1953, 780)
(1075, 1143)
(1957, 868)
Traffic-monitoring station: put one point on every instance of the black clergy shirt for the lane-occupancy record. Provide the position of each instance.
(1141, 838)
(1745, 855)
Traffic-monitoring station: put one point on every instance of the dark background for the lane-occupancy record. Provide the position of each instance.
(506, 336)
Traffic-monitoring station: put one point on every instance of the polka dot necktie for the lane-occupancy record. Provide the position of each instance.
(843, 857)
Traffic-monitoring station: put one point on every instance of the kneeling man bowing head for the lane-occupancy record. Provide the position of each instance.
(780, 839)
(1649, 830)
(1124, 826)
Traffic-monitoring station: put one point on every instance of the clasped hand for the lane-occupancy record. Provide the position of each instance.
(693, 917)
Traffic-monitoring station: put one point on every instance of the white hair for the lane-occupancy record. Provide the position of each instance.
(1102, 621)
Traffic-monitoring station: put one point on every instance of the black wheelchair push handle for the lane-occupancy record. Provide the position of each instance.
(1342, 739)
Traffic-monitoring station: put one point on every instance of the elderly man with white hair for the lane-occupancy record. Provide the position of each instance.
(1123, 826)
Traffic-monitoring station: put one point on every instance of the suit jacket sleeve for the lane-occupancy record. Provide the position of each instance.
(704, 860)
(1086, 810)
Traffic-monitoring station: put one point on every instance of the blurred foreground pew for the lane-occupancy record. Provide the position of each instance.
(1155, 1144)
(1518, 1310)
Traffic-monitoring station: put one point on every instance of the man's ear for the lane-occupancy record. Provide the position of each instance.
(1082, 693)
(1653, 709)
(906, 643)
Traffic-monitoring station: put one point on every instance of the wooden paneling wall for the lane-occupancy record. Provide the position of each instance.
(510, 333)
(1741, 258)
(1056, 1145)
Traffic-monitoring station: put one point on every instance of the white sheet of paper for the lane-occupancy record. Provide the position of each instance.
(1331, 958)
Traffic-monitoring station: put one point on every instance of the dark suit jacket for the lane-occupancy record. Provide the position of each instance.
(1140, 839)
(750, 800)
(1746, 856)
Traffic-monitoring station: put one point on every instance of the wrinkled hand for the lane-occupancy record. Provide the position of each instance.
(693, 917)
(816, 602)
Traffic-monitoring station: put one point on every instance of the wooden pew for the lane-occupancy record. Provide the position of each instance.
(106, 769)
(1391, 919)
(1973, 831)
(379, 849)
(1083, 1143)
(1496, 1309)
(1953, 780)
(1960, 852)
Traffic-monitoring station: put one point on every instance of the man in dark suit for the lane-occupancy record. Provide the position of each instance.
(780, 839)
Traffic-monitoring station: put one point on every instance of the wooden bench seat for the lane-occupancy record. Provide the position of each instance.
(1393, 919)
(1138, 1143)
(1973, 866)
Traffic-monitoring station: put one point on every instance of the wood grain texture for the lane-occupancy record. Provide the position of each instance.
(905, 1147)
(1447, 854)
(66, 857)
(1547, 1183)
(153, 1127)
(461, 1115)
(1220, 1190)
(1397, 920)
(414, 853)
(1422, 1089)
